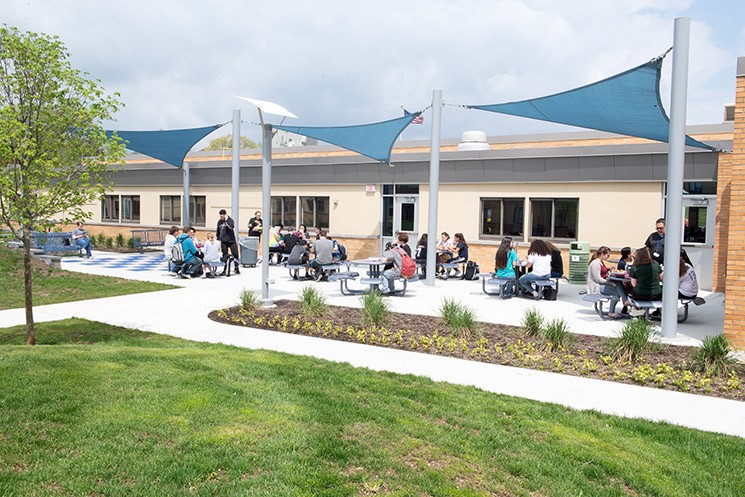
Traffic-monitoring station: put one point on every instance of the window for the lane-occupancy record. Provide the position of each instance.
(554, 218)
(110, 208)
(198, 210)
(501, 217)
(130, 208)
(314, 211)
(170, 209)
(283, 211)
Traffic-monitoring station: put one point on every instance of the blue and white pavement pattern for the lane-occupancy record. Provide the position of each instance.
(130, 262)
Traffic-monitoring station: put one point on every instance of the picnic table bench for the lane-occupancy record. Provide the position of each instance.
(643, 305)
(372, 281)
(56, 242)
(148, 238)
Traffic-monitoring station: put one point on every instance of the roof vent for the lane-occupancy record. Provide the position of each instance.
(473, 140)
(729, 112)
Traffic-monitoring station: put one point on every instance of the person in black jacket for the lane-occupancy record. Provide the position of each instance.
(656, 241)
(225, 232)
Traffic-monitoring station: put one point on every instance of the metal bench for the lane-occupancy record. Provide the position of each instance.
(491, 279)
(597, 300)
(650, 305)
(56, 242)
(148, 238)
(449, 266)
(294, 270)
(343, 279)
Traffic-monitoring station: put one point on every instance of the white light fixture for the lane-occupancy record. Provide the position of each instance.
(268, 107)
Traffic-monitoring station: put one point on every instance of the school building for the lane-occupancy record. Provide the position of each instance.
(586, 186)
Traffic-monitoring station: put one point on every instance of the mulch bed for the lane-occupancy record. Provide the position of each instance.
(663, 366)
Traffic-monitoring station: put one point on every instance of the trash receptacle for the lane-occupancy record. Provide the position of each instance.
(579, 258)
(249, 251)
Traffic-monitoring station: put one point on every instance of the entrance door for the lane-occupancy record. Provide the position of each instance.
(405, 218)
(699, 215)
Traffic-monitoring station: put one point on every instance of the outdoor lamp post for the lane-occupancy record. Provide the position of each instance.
(266, 181)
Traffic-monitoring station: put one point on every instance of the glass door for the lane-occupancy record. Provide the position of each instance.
(699, 216)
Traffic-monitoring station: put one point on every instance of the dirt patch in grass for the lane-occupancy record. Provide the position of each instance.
(663, 366)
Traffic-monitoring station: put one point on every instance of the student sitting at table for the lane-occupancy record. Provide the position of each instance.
(687, 281)
(393, 256)
(275, 242)
(299, 257)
(598, 281)
(505, 261)
(420, 256)
(625, 259)
(444, 248)
(645, 276)
(322, 249)
(539, 259)
(557, 263)
(460, 249)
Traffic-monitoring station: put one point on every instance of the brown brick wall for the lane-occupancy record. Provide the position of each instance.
(734, 310)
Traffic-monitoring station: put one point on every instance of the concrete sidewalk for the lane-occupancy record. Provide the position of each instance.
(183, 313)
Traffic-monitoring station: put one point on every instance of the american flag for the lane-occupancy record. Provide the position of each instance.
(417, 120)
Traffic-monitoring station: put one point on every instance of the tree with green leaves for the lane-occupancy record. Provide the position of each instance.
(55, 155)
(226, 143)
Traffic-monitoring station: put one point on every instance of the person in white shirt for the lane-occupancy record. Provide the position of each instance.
(211, 251)
(168, 247)
(687, 282)
(539, 258)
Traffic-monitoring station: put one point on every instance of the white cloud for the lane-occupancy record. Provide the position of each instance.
(347, 62)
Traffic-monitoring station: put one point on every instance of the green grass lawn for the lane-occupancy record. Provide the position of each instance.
(52, 286)
(100, 410)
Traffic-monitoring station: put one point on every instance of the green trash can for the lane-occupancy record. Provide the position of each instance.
(579, 258)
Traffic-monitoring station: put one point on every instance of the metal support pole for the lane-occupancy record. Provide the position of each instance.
(266, 195)
(434, 187)
(235, 181)
(676, 159)
(185, 200)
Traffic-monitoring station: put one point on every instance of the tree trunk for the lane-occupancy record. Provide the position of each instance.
(30, 332)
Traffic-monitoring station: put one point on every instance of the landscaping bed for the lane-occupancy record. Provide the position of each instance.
(661, 366)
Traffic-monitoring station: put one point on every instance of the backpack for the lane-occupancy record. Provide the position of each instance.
(342, 253)
(177, 253)
(472, 271)
(408, 266)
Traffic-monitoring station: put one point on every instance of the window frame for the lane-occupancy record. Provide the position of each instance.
(315, 222)
(198, 216)
(110, 203)
(286, 210)
(502, 200)
(133, 218)
(173, 220)
(552, 233)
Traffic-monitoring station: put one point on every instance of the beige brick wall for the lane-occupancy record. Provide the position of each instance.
(734, 310)
(721, 230)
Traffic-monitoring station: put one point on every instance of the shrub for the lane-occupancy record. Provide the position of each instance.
(633, 340)
(713, 356)
(249, 299)
(130, 242)
(556, 334)
(119, 240)
(109, 242)
(532, 322)
(375, 308)
(99, 239)
(312, 302)
(459, 318)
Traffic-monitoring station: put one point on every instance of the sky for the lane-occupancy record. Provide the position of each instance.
(178, 64)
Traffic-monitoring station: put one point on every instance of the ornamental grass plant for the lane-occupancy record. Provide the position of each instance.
(633, 340)
(375, 308)
(312, 302)
(713, 356)
(459, 319)
(532, 322)
(249, 299)
(555, 334)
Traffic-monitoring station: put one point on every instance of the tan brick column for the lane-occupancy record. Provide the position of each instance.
(721, 228)
(734, 308)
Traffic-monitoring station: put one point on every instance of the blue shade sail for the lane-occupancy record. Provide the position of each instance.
(628, 104)
(373, 140)
(170, 146)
